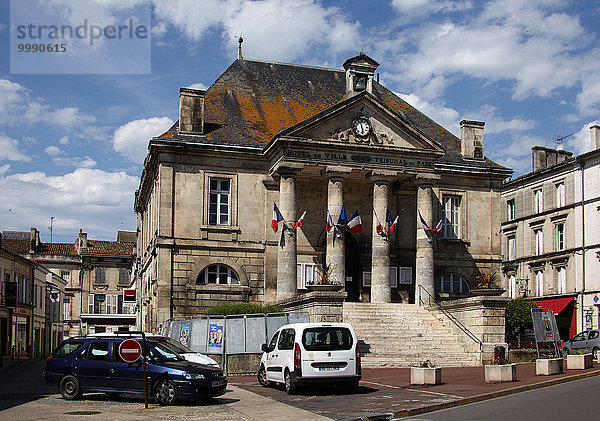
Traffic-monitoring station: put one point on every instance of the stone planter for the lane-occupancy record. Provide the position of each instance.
(548, 366)
(488, 291)
(425, 375)
(580, 362)
(500, 373)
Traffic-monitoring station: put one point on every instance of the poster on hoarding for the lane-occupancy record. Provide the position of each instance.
(184, 336)
(215, 335)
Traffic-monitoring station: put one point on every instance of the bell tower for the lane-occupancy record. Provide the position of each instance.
(359, 74)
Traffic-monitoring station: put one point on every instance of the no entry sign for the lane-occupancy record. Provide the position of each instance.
(130, 350)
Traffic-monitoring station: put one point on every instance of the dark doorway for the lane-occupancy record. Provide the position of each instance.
(353, 270)
(3, 336)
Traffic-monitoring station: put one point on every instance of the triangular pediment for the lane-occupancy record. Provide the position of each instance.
(363, 121)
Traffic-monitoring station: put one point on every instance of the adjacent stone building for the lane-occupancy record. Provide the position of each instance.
(551, 235)
(319, 140)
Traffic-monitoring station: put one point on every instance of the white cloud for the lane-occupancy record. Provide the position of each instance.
(86, 162)
(421, 7)
(131, 139)
(581, 142)
(444, 116)
(91, 199)
(53, 151)
(9, 149)
(494, 123)
(64, 140)
(4, 168)
(199, 85)
(273, 29)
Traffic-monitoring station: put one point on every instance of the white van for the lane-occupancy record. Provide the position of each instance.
(311, 352)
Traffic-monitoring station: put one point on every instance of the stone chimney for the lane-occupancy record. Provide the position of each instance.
(471, 139)
(81, 241)
(542, 157)
(595, 133)
(34, 240)
(359, 74)
(191, 110)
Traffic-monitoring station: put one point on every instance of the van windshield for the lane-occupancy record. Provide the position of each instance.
(327, 339)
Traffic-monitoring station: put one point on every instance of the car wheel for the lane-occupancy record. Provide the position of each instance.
(165, 392)
(290, 383)
(262, 377)
(69, 388)
(595, 353)
(566, 351)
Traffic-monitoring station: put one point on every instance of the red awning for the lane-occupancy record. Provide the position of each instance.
(555, 304)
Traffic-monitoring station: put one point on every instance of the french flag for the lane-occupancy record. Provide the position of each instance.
(393, 225)
(355, 223)
(343, 219)
(425, 226)
(299, 222)
(329, 224)
(379, 227)
(277, 217)
(438, 227)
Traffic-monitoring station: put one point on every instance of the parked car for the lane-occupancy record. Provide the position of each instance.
(92, 364)
(304, 353)
(178, 347)
(588, 339)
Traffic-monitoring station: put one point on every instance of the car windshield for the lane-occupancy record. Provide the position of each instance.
(160, 352)
(174, 345)
(327, 339)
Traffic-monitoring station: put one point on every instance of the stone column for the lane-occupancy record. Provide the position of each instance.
(424, 262)
(286, 256)
(380, 249)
(336, 250)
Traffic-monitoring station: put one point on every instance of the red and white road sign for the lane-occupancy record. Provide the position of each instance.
(130, 350)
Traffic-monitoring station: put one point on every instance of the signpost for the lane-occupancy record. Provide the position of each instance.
(545, 329)
(130, 351)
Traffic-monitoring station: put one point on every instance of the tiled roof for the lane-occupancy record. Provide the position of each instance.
(15, 246)
(108, 248)
(57, 248)
(253, 100)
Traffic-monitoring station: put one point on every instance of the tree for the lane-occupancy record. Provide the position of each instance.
(518, 318)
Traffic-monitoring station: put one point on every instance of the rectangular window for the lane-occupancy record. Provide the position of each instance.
(539, 283)
(66, 275)
(539, 242)
(560, 236)
(91, 304)
(560, 194)
(366, 281)
(561, 278)
(99, 304)
(405, 275)
(219, 202)
(306, 274)
(512, 247)
(100, 276)
(539, 201)
(67, 309)
(512, 286)
(393, 276)
(451, 225)
(510, 209)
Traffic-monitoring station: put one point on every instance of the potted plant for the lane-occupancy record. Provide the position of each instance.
(324, 281)
(500, 371)
(487, 284)
(425, 373)
(548, 364)
(579, 360)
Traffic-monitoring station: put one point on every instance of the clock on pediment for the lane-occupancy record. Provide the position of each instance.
(361, 126)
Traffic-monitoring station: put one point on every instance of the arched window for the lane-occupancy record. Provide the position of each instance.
(218, 274)
(454, 283)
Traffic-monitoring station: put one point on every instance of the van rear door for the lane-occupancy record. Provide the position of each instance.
(329, 351)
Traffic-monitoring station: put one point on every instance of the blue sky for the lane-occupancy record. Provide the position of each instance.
(72, 145)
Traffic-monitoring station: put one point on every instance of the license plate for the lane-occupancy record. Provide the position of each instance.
(328, 368)
(218, 383)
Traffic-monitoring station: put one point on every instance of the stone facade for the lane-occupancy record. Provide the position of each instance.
(306, 138)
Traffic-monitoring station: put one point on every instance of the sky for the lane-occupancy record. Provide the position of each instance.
(74, 134)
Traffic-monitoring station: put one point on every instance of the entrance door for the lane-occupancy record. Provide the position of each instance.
(353, 270)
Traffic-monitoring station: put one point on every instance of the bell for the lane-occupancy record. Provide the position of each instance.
(361, 84)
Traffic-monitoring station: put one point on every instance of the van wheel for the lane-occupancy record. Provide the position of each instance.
(595, 353)
(290, 383)
(262, 377)
(69, 388)
(165, 392)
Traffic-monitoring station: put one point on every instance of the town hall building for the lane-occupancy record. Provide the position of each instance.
(311, 142)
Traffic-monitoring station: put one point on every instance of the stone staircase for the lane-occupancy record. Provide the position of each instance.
(402, 335)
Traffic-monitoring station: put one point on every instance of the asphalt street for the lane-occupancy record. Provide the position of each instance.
(577, 400)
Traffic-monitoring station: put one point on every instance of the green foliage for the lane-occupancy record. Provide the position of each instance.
(518, 318)
(487, 281)
(243, 308)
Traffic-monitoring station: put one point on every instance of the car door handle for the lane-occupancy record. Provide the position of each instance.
(112, 371)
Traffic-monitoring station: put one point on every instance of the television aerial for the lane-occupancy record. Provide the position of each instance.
(559, 140)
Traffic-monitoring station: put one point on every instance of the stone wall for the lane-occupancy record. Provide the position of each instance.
(321, 306)
(483, 316)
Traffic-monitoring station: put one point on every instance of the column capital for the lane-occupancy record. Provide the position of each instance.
(287, 168)
(427, 179)
(336, 171)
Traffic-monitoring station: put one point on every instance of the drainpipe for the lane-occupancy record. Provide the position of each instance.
(582, 168)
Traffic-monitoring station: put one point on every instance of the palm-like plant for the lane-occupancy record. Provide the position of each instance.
(487, 281)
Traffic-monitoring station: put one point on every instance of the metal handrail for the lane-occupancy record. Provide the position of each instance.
(450, 316)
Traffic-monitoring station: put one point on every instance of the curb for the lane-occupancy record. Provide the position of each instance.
(477, 398)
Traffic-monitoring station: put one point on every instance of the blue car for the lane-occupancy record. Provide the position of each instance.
(88, 364)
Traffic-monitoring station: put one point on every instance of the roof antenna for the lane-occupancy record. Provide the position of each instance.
(559, 141)
(240, 40)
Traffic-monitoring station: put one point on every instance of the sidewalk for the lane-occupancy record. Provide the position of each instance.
(386, 393)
